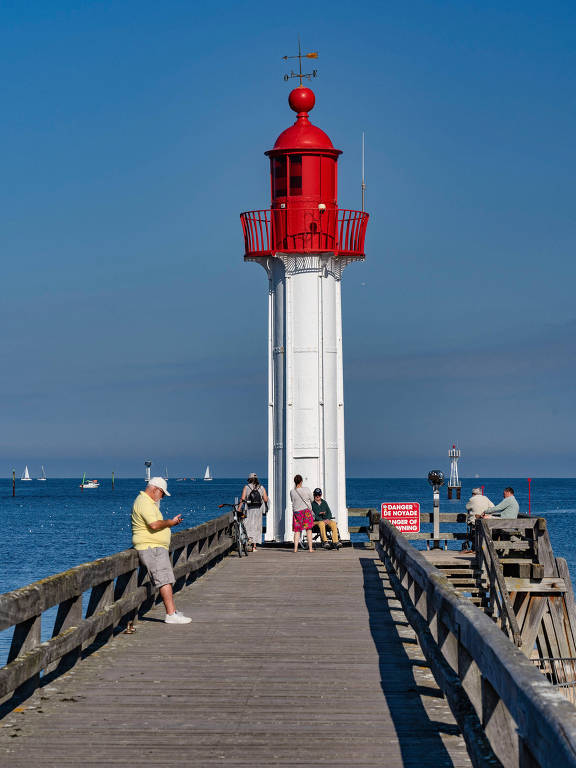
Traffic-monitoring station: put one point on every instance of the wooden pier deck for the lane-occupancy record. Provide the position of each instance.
(291, 660)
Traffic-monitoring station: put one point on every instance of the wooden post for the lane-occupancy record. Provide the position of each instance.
(13, 482)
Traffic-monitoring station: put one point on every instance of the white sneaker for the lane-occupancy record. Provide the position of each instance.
(177, 618)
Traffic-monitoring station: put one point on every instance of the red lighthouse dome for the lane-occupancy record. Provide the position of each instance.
(303, 176)
(303, 134)
(304, 216)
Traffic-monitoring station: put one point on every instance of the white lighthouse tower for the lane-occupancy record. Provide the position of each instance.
(304, 241)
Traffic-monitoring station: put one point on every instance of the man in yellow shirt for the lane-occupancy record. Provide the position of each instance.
(151, 539)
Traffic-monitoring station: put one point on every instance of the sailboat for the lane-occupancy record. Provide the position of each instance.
(207, 475)
(26, 475)
(43, 477)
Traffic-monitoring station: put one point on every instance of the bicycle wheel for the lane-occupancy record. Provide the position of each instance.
(237, 538)
(244, 537)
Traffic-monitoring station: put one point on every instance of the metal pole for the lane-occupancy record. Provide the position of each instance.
(112, 480)
(363, 183)
(436, 517)
(13, 482)
(529, 504)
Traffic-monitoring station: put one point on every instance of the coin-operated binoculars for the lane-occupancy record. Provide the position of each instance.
(436, 480)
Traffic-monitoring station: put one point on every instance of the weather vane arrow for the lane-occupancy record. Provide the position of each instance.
(301, 75)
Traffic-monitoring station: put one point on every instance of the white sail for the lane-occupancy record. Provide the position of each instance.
(43, 477)
(26, 475)
(207, 475)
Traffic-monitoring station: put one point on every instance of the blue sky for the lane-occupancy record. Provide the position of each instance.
(133, 135)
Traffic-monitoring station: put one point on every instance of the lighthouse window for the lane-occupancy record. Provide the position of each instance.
(280, 177)
(296, 175)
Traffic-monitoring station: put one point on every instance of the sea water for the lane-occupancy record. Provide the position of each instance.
(51, 526)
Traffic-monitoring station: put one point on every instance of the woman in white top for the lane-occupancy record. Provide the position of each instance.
(302, 515)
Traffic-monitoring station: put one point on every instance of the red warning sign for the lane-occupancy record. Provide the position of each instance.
(404, 515)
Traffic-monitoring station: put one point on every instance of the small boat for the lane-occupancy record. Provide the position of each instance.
(26, 475)
(207, 475)
(89, 483)
(43, 477)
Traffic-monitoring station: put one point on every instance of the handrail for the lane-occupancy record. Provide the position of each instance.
(525, 721)
(119, 588)
(488, 558)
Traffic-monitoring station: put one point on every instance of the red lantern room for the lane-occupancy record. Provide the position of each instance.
(304, 215)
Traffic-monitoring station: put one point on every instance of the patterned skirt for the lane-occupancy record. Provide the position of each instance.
(302, 520)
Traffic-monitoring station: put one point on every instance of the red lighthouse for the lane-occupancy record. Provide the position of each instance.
(304, 214)
(304, 241)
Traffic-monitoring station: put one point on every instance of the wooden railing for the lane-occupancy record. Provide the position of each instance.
(506, 709)
(370, 527)
(118, 589)
(500, 607)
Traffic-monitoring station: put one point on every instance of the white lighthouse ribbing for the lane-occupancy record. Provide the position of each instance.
(305, 378)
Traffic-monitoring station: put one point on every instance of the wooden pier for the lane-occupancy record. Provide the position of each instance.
(362, 657)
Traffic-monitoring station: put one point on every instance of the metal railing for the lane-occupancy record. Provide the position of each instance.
(304, 230)
(561, 672)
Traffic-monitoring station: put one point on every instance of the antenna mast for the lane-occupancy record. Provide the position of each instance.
(363, 182)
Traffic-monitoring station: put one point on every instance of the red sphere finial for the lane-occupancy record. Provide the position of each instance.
(301, 99)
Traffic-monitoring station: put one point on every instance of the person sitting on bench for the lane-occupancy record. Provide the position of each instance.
(323, 517)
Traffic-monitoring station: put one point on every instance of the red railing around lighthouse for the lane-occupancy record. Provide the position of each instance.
(298, 230)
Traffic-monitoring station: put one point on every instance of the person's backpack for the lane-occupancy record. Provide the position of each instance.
(254, 498)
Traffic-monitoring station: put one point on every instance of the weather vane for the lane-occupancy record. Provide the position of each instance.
(301, 75)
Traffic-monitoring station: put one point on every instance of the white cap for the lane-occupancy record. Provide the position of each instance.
(159, 482)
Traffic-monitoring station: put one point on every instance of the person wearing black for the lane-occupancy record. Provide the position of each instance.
(254, 497)
(323, 517)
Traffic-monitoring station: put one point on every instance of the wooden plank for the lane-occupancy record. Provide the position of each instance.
(545, 554)
(233, 688)
(552, 584)
(505, 524)
(550, 633)
(561, 627)
(499, 725)
(569, 596)
(445, 517)
(532, 622)
(515, 546)
(444, 536)
(26, 637)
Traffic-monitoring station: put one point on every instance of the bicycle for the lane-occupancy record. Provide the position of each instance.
(238, 529)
